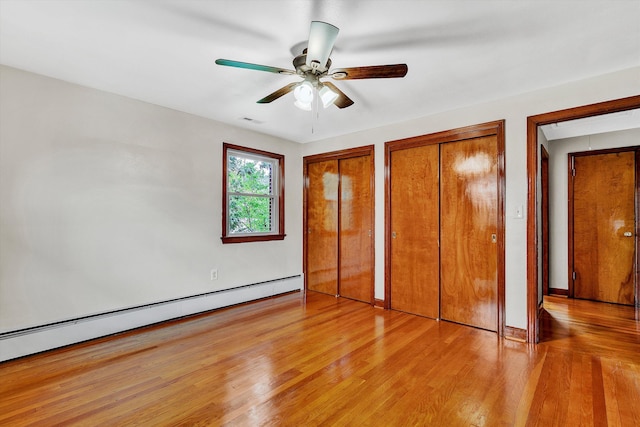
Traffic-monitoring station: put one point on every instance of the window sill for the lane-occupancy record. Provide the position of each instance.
(247, 239)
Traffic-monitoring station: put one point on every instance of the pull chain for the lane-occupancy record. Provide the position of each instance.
(314, 109)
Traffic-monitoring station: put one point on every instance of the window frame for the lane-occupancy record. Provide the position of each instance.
(278, 223)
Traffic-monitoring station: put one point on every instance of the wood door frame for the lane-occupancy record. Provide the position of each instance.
(469, 132)
(544, 167)
(570, 229)
(368, 150)
(533, 122)
(637, 231)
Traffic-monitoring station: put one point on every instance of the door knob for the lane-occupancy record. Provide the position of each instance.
(628, 234)
(393, 234)
(494, 238)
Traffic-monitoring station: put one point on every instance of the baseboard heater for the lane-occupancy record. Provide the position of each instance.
(23, 342)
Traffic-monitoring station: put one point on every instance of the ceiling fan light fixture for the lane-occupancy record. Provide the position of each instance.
(304, 92)
(327, 96)
(322, 36)
(303, 106)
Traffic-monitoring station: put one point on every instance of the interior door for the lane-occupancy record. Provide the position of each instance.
(414, 222)
(322, 227)
(469, 227)
(356, 229)
(604, 227)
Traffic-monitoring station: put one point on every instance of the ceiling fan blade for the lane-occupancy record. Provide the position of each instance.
(249, 66)
(322, 36)
(277, 94)
(343, 100)
(371, 72)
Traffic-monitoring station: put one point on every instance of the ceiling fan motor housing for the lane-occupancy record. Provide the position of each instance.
(300, 64)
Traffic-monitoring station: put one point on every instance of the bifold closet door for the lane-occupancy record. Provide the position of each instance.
(355, 229)
(415, 260)
(469, 227)
(322, 227)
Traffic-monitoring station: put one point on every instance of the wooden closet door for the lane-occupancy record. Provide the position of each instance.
(468, 235)
(604, 227)
(356, 263)
(322, 227)
(415, 260)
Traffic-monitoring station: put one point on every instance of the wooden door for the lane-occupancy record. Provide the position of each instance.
(356, 229)
(469, 232)
(414, 224)
(604, 227)
(322, 227)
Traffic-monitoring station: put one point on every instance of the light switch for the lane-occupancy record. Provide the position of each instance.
(519, 212)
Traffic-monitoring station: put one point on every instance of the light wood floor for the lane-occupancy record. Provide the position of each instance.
(306, 360)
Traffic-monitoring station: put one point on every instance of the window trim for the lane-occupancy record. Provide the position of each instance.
(278, 234)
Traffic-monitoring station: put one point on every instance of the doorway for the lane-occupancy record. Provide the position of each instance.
(533, 173)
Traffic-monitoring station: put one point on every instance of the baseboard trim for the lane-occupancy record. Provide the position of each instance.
(34, 340)
(560, 292)
(515, 334)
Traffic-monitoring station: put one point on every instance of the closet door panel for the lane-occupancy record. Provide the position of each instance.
(322, 227)
(469, 221)
(356, 260)
(415, 260)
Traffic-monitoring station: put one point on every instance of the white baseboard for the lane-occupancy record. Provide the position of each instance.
(38, 339)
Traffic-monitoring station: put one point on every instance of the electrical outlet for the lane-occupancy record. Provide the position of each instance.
(214, 274)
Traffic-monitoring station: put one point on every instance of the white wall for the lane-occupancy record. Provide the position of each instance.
(515, 111)
(108, 203)
(559, 194)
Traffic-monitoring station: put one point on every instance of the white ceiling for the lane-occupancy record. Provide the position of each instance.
(459, 52)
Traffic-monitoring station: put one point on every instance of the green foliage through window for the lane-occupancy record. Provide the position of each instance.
(250, 184)
(253, 195)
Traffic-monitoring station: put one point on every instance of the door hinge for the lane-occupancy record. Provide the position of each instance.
(574, 275)
(573, 166)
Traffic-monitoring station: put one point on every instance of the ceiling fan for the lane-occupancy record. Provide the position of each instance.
(314, 64)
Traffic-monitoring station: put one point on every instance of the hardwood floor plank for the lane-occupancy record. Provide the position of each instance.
(523, 411)
(599, 403)
(319, 360)
(580, 409)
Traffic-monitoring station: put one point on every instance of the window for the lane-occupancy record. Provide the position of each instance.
(253, 195)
